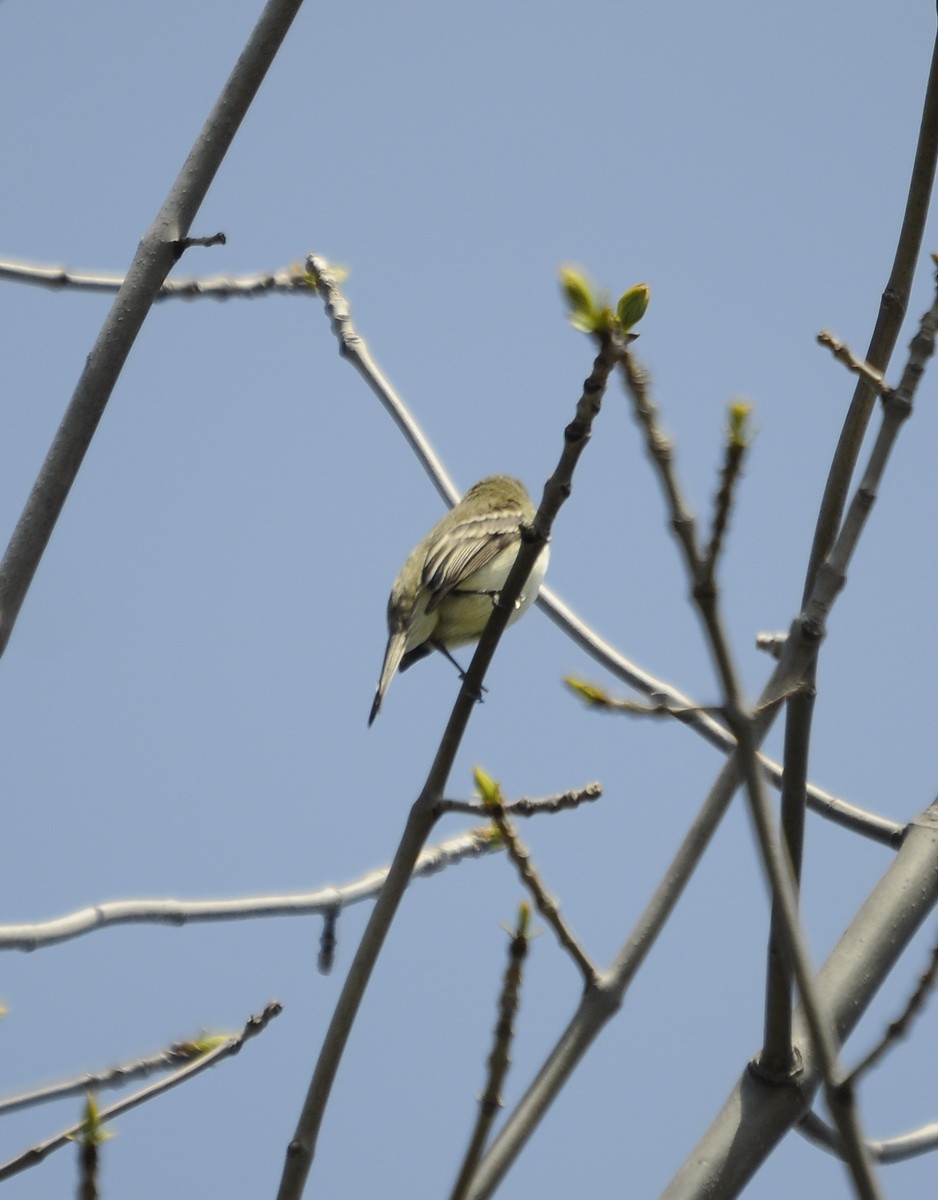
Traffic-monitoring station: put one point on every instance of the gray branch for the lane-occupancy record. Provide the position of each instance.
(155, 258)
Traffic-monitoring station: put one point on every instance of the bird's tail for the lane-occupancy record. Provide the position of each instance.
(392, 659)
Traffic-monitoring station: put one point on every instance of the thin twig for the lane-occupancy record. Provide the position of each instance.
(660, 450)
(112, 1077)
(842, 352)
(545, 903)
(734, 453)
(771, 644)
(92, 1135)
(903, 1146)
(530, 807)
(353, 347)
(829, 579)
(289, 281)
(892, 309)
(38, 934)
(35, 1154)
(186, 243)
(897, 1029)
(897, 407)
(833, 808)
(327, 941)
(594, 696)
(88, 1171)
(490, 1102)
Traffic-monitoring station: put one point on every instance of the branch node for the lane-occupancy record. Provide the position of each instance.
(181, 245)
(777, 1075)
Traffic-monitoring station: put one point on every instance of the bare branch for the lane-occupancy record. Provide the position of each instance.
(353, 347)
(842, 352)
(892, 310)
(289, 281)
(841, 812)
(155, 257)
(490, 1102)
(828, 530)
(757, 1113)
(783, 883)
(599, 1004)
(897, 1029)
(35, 1154)
(35, 935)
(660, 451)
(528, 807)
(425, 809)
(327, 941)
(897, 406)
(186, 243)
(545, 903)
(112, 1077)
(923, 1140)
(771, 643)
(737, 443)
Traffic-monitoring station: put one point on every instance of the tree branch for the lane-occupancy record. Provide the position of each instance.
(289, 281)
(325, 901)
(353, 347)
(155, 258)
(35, 1154)
(301, 1150)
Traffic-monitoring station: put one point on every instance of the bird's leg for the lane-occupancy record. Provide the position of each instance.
(446, 654)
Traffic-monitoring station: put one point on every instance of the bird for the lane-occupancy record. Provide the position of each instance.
(444, 593)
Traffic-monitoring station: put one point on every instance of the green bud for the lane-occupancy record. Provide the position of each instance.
(740, 427)
(92, 1132)
(632, 305)
(587, 692)
(208, 1043)
(579, 296)
(489, 792)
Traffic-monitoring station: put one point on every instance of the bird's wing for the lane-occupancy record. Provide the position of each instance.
(466, 548)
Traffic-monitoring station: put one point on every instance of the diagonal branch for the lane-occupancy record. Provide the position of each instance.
(893, 307)
(758, 1113)
(301, 1149)
(706, 600)
(598, 1006)
(800, 714)
(545, 903)
(156, 256)
(35, 1154)
(353, 347)
(112, 1077)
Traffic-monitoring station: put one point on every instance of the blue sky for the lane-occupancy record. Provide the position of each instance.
(184, 698)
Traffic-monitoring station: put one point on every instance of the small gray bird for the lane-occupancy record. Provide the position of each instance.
(445, 591)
